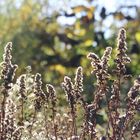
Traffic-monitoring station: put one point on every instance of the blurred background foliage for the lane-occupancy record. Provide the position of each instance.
(54, 37)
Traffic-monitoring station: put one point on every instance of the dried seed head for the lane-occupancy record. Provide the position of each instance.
(135, 129)
(22, 86)
(122, 57)
(52, 93)
(134, 91)
(17, 133)
(67, 85)
(8, 69)
(39, 94)
(78, 86)
(105, 57)
(9, 121)
(93, 57)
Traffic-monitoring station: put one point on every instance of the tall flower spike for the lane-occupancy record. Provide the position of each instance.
(104, 61)
(67, 85)
(39, 94)
(100, 65)
(52, 94)
(8, 69)
(100, 69)
(22, 87)
(53, 99)
(122, 57)
(114, 104)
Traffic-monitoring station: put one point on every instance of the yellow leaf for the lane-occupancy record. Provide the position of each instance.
(79, 9)
(88, 42)
(90, 14)
(69, 35)
(82, 32)
(92, 8)
(59, 68)
(137, 36)
(119, 16)
(52, 27)
(77, 25)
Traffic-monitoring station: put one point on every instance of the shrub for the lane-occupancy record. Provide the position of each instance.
(29, 112)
